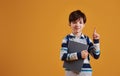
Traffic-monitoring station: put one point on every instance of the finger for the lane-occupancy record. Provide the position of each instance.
(95, 30)
(85, 51)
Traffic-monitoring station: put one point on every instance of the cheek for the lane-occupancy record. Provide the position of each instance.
(72, 26)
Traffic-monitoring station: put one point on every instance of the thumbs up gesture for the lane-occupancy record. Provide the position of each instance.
(96, 35)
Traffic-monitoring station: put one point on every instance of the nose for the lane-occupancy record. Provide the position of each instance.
(77, 24)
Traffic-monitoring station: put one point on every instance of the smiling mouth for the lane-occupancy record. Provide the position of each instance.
(77, 28)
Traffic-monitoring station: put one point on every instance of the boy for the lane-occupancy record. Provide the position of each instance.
(77, 20)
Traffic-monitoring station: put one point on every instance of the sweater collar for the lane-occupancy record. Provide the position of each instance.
(82, 35)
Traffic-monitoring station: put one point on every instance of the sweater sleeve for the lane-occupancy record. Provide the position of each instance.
(94, 48)
(64, 55)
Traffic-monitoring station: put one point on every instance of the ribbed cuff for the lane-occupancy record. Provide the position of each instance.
(96, 41)
(79, 55)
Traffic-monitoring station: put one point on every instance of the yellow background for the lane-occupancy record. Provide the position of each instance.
(31, 32)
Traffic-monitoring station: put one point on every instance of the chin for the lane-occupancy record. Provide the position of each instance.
(77, 31)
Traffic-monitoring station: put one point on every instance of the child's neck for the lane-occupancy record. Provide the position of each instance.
(78, 34)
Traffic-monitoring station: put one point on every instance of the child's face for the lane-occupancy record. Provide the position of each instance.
(77, 25)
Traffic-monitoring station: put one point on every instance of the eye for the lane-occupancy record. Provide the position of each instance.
(81, 22)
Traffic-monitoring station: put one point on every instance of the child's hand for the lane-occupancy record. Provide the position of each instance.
(84, 54)
(96, 35)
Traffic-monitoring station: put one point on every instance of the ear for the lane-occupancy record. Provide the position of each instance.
(69, 24)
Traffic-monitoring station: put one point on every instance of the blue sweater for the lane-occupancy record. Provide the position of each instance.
(93, 49)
